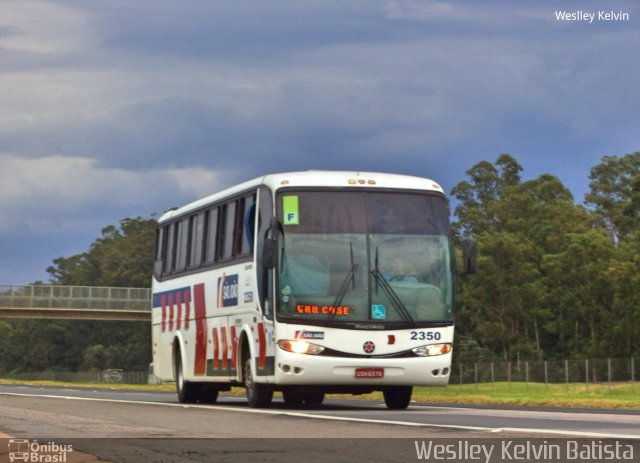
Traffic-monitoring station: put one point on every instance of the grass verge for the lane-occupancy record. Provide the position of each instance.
(574, 395)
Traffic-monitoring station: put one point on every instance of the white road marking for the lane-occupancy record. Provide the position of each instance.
(340, 418)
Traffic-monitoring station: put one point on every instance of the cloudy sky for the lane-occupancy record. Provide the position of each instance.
(113, 109)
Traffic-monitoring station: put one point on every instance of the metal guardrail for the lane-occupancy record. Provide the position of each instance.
(587, 371)
(97, 377)
(75, 297)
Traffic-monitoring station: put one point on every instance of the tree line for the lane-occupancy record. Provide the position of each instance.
(556, 278)
(121, 256)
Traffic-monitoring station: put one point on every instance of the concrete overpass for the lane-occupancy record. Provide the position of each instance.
(75, 302)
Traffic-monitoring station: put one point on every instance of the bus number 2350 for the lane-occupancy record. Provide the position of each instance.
(425, 336)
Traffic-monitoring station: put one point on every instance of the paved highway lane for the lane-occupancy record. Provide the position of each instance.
(336, 415)
(131, 426)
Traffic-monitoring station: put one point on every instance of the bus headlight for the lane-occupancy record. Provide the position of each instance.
(432, 349)
(300, 347)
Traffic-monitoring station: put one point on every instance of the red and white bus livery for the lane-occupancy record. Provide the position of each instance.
(306, 283)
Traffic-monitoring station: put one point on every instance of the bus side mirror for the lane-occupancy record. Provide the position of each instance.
(269, 253)
(469, 252)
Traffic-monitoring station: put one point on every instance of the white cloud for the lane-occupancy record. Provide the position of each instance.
(420, 11)
(59, 192)
(42, 27)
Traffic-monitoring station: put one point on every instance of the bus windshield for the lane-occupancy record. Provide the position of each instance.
(364, 258)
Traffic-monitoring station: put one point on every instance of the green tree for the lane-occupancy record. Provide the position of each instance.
(120, 257)
(477, 197)
(94, 358)
(615, 193)
(580, 285)
(516, 224)
(615, 197)
(624, 326)
(499, 301)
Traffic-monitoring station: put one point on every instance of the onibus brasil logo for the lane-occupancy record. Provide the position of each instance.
(34, 452)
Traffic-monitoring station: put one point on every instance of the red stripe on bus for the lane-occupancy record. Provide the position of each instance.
(170, 311)
(216, 352)
(262, 342)
(200, 364)
(225, 348)
(179, 306)
(234, 346)
(163, 300)
(187, 307)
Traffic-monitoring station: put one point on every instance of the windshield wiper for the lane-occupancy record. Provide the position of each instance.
(350, 278)
(391, 294)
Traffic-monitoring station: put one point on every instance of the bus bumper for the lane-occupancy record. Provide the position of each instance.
(301, 369)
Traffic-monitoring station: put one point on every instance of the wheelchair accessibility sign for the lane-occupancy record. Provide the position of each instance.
(378, 312)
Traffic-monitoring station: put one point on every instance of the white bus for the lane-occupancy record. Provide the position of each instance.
(306, 283)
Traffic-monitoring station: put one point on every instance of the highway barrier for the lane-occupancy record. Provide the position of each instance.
(587, 371)
(111, 376)
(75, 297)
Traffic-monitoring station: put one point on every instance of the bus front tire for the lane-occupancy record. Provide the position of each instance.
(293, 397)
(258, 395)
(297, 396)
(187, 392)
(314, 397)
(208, 394)
(397, 397)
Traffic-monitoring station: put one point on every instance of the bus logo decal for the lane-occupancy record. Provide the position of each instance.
(309, 335)
(369, 347)
(228, 290)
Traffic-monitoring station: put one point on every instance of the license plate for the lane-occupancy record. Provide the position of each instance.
(369, 372)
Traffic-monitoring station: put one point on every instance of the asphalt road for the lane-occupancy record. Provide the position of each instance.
(125, 426)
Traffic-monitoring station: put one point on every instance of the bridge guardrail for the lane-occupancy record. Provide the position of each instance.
(75, 297)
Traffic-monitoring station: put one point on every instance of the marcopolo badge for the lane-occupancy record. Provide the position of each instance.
(369, 347)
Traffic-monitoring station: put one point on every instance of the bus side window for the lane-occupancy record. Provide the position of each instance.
(264, 276)
(169, 247)
(237, 227)
(181, 245)
(228, 224)
(212, 235)
(197, 240)
(160, 246)
(249, 224)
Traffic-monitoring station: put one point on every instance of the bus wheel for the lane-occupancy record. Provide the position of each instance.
(293, 396)
(187, 392)
(397, 397)
(258, 395)
(208, 394)
(314, 397)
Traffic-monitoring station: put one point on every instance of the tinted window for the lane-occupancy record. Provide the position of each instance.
(212, 235)
(248, 224)
(197, 239)
(181, 251)
(169, 254)
(229, 225)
